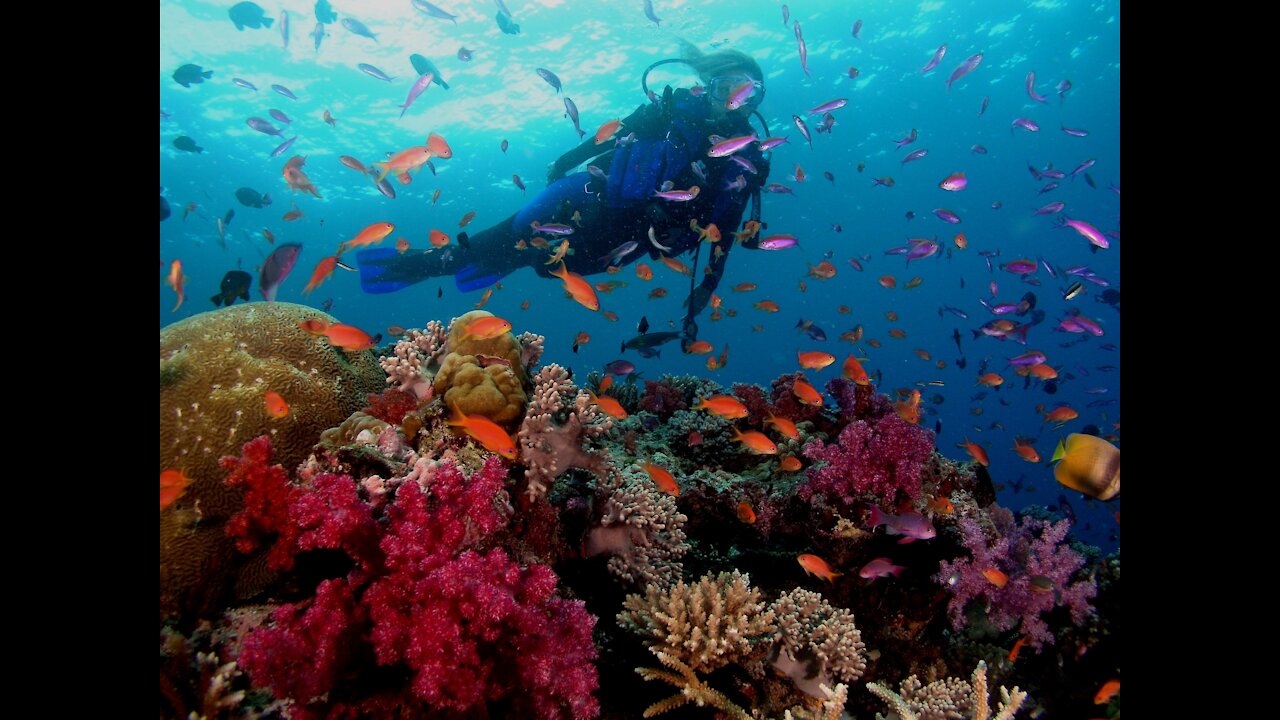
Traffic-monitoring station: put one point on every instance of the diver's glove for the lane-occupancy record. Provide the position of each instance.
(689, 333)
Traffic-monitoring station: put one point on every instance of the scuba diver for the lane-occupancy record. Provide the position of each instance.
(614, 211)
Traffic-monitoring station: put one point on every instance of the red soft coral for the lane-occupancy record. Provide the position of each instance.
(391, 406)
(268, 495)
(873, 459)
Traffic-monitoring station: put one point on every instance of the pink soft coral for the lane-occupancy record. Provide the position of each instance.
(874, 458)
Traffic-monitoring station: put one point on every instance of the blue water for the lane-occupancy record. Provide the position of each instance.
(598, 50)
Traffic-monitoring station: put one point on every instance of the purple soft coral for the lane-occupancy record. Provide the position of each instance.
(876, 457)
(1040, 570)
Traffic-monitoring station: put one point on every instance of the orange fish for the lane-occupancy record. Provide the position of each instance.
(178, 282)
(806, 393)
(606, 383)
(331, 120)
(1025, 451)
(438, 238)
(609, 405)
(726, 406)
(716, 301)
(712, 363)
(583, 339)
(613, 269)
(756, 442)
(923, 354)
(799, 176)
(817, 567)
(824, 271)
(745, 513)
(942, 506)
(610, 315)
(1108, 690)
(854, 372)
(676, 265)
(314, 326)
(486, 432)
(898, 333)
(644, 272)
(371, 235)
(790, 463)
(701, 347)
(784, 426)
(271, 239)
(323, 270)
(815, 359)
(909, 409)
(888, 281)
(657, 293)
(539, 242)
(348, 337)
(172, 484)
(744, 287)
(710, 233)
(404, 178)
(724, 355)
(663, 479)
(961, 241)
(1042, 372)
(749, 230)
(438, 147)
(467, 218)
(485, 297)
(395, 331)
(976, 451)
(995, 577)
(1061, 415)
(276, 406)
(292, 215)
(486, 328)
(844, 309)
(873, 343)
(607, 130)
(404, 160)
(1013, 654)
(524, 305)
(941, 364)
(579, 289)
(914, 282)
(991, 380)
(767, 306)
(891, 316)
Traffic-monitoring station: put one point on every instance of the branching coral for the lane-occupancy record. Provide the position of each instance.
(415, 359)
(557, 425)
(707, 625)
(808, 624)
(949, 699)
(1040, 568)
(640, 528)
(692, 689)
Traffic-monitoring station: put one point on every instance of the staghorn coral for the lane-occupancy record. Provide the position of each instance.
(559, 422)
(530, 350)
(831, 707)
(641, 528)
(810, 626)
(1040, 567)
(692, 689)
(214, 371)
(706, 625)
(416, 359)
(949, 699)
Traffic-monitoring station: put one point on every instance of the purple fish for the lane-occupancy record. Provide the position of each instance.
(740, 183)
(779, 242)
(382, 184)
(1031, 88)
(828, 120)
(276, 268)
(1063, 87)
(1019, 267)
(965, 68)
(550, 228)
(284, 91)
(778, 188)
(284, 27)
(571, 111)
(1029, 359)
(619, 367)
(880, 567)
(857, 28)
(1082, 167)
(1049, 268)
(263, 126)
(899, 144)
(921, 249)
(648, 12)
(550, 77)
(1026, 124)
(955, 182)
(598, 173)
(519, 183)
(911, 525)
(374, 72)
(946, 215)
(999, 308)
(615, 256)
(986, 100)
(358, 28)
(1050, 187)
(1089, 232)
(1053, 174)
(954, 311)
(916, 155)
(433, 11)
(419, 86)
(978, 149)
(677, 195)
(804, 50)
(731, 146)
(280, 116)
(740, 95)
(1051, 209)
(282, 147)
(1075, 132)
(937, 58)
(744, 163)
(768, 144)
(244, 84)
(804, 129)
(318, 34)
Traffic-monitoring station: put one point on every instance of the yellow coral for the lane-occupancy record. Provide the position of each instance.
(491, 389)
(215, 369)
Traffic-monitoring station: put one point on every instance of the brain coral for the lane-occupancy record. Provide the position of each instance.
(482, 387)
(214, 371)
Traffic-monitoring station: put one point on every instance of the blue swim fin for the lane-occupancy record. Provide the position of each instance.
(473, 277)
(385, 270)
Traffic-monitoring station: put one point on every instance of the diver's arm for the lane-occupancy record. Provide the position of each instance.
(642, 121)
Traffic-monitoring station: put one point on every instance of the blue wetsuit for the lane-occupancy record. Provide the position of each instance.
(670, 136)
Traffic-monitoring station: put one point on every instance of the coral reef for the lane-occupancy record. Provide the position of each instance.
(640, 528)
(482, 377)
(416, 359)
(215, 368)
(811, 626)
(949, 699)
(559, 422)
(785, 403)
(392, 405)
(718, 620)
(1039, 568)
(692, 689)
